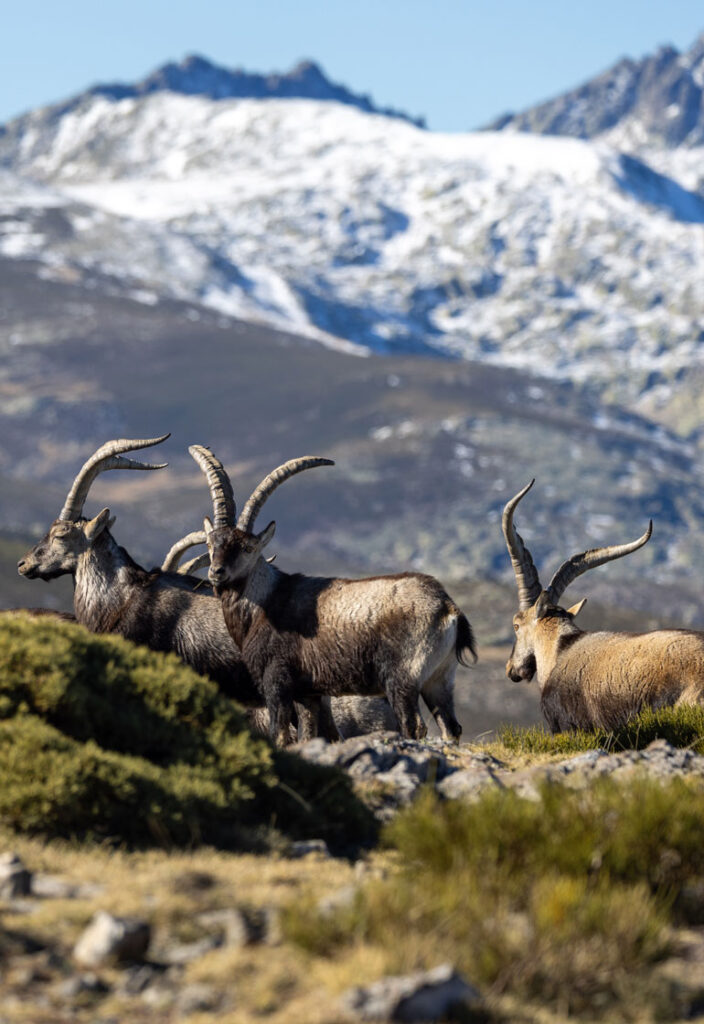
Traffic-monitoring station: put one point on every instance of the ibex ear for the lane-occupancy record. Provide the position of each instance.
(576, 608)
(94, 527)
(207, 526)
(267, 533)
(542, 605)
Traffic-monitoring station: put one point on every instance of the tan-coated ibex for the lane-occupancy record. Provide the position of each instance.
(593, 679)
(305, 637)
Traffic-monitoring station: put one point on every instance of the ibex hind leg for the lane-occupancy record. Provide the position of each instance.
(438, 694)
(403, 699)
(315, 719)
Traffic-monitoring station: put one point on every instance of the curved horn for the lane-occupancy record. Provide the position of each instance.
(578, 564)
(219, 483)
(199, 562)
(526, 574)
(108, 456)
(175, 552)
(274, 480)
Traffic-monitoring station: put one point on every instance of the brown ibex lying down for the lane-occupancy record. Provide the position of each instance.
(593, 679)
(305, 637)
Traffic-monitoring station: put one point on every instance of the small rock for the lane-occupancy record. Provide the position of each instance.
(138, 978)
(197, 998)
(244, 926)
(109, 938)
(15, 879)
(51, 887)
(82, 983)
(159, 997)
(304, 847)
(192, 950)
(468, 783)
(425, 996)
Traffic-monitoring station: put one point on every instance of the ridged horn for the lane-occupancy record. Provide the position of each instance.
(273, 480)
(108, 456)
(577, 564)
(199, 562)
(526, 574)
(219, 483)
(176, 551)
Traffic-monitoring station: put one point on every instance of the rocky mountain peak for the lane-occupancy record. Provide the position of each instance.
(655, 101)
(195, 75)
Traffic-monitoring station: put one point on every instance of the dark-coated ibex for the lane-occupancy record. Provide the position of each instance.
(338, 717)
(304, 637)
(167, 611)
(593, 680)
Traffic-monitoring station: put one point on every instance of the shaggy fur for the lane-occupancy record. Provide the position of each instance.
(304, 637)
(169, 611)
(165, 611)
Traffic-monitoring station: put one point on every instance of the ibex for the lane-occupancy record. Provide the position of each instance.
(303, 636)
(339, 717)
(167, 611)
(593, 679)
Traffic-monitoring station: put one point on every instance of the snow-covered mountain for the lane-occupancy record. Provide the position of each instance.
(141, 233)
(655, 101)
(561, 256)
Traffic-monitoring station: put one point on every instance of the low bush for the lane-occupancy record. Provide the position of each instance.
(103, 739)
(565, 900)
(681, 726)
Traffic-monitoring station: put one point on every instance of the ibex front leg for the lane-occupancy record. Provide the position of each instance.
(278, 689)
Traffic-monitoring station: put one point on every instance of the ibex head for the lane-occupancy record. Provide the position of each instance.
(542, 628)
(71, 535)
(235, 549)
(544, 622)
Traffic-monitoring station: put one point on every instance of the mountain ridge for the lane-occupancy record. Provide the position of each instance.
(197, 76)
(655, 101)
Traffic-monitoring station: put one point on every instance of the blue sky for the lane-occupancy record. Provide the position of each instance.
(458, 63)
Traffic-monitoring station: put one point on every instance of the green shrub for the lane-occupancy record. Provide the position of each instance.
(566, 899)
(104, 739)
(681, 726)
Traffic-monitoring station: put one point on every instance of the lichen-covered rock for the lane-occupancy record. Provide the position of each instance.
(110, 939)
(659, 760)
(425, 996)
(15, 879)
(468, 782)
